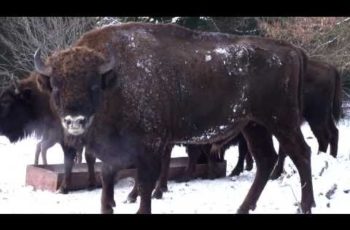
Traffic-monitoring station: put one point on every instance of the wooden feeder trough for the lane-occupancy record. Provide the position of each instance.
(49, 177)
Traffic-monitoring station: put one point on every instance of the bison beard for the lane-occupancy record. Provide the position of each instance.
(170, 85)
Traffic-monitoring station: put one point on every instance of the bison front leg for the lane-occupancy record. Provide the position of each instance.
(37, 153)
(292, 141)
(148, 171)
(242, 152)
(45, 145)
(248, 160)
(69, 154)
(334, 133)
(162, 185)
(91, 160)
(132, 197)
(107, 199)
(278, 169)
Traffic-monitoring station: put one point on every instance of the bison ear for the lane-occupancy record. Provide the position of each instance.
(108, 80)
(43, 83)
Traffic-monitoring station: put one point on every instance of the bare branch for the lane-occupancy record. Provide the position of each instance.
(21, 36)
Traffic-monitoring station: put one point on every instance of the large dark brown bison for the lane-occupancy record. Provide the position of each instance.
(322, 108)
(25, 110)
(130, 90)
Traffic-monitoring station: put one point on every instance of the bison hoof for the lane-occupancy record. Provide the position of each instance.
(141, 211)
(164, 188)
(243, 211)
(306, 211)
(249, 167)
(236, 172)
(107, 210)
(63, 190)
(157, 194)
(276, 174)
(306, 208)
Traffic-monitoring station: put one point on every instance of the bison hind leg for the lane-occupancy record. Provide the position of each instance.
(294, 145)
(261, 146)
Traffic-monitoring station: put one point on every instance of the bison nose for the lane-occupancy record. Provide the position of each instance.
(75, 121)
(76, 125)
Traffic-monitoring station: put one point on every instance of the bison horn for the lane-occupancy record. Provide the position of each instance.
(104, 68)
(40, 66)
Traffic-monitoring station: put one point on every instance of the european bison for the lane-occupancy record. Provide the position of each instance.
(322, 108)
(128, 91)
(25, 110)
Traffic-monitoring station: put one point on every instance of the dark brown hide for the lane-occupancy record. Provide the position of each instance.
(172, 85)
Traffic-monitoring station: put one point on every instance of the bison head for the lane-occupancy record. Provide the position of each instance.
(75, 78)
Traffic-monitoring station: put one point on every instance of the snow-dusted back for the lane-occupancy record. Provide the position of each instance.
(331, 179)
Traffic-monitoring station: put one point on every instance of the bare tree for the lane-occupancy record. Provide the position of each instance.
(21, 36)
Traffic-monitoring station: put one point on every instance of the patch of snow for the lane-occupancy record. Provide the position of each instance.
(274, 60)
(175, 19)
(223, 51)
(144, 64)
(207, 58)
(224, 195)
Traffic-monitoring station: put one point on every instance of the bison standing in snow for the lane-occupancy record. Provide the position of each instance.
(322, 108)
(128, 91)
(25, 110)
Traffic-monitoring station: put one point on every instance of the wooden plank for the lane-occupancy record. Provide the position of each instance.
(49, 177)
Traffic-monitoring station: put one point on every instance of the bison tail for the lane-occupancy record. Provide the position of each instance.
(303, 69)
(337, 100)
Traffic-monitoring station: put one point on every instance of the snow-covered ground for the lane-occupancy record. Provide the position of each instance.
(198, 196)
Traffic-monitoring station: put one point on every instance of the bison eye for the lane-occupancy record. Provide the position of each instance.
(67, 121)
